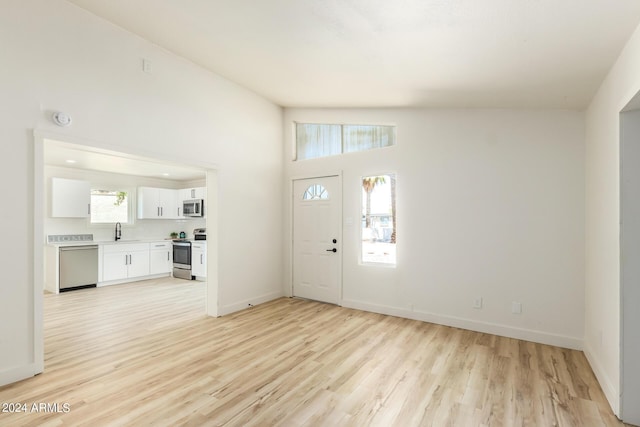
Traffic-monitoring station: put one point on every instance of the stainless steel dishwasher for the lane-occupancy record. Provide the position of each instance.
(78, 267)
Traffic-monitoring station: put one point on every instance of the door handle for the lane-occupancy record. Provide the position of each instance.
(332, 250)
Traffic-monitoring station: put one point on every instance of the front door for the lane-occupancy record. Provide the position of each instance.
(317, 257)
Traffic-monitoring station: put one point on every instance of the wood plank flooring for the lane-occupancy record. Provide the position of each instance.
(146, 354)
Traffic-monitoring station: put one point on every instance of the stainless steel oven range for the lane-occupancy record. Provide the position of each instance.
(182, 259)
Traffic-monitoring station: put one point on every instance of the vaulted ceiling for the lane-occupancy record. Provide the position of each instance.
(404, 53)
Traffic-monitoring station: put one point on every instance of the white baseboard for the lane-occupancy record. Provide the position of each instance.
(132, 279)
(241, 305)
(18, 373)
(613, 397)
(472, 325)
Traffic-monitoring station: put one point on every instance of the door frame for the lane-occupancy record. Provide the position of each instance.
(338, 174)
(629, 383)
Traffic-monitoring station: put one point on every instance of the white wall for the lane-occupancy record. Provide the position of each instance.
(490, 203)
(56, 56)
(602, 296)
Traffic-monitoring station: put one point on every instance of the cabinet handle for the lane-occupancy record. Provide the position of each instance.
(167, 256)
(89, 209)
(158, 211)
(201, 263)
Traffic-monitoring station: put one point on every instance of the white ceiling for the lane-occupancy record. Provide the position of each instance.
(382, 53)
(87, 158)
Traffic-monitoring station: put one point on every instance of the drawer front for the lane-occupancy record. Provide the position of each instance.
(125, 247)
(200, 246)
(160, 245)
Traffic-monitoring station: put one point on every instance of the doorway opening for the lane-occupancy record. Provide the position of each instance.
(630, 261)
(53, 154)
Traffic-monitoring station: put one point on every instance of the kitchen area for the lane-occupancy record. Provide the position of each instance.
(114, 219)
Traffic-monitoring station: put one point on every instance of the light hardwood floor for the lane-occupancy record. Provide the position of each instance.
(146, 354)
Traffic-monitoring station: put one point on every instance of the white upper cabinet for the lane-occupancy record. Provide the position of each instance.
(168, 202)
(165, 203)
(70, 198)
(148, 203)
(193, 193)
(157, 203)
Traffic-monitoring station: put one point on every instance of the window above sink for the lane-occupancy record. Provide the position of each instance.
(109, 206)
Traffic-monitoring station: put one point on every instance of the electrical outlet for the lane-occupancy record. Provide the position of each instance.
(147, 66)
(477, 303)
(516, 307)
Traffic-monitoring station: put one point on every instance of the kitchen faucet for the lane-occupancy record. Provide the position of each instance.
(118, 231)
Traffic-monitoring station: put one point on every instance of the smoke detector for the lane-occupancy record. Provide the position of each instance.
(61, 119)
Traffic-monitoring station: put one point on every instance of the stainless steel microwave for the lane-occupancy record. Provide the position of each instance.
(193, 207)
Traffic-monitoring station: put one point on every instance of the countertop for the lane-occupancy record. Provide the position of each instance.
(106, 242)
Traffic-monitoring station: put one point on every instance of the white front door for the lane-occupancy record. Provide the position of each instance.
(317, 255)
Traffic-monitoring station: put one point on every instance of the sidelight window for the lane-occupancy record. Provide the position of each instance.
(379, 219)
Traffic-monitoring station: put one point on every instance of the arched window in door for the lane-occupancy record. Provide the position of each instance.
(315, 192)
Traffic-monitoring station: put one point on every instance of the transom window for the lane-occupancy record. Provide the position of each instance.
(322, 140)
(315, 192)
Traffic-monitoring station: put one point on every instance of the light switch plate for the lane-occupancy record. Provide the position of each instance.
(516, 307)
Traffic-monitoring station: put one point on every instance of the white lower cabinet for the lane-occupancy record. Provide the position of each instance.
(160, 257)
(114, 266)
(125, 261)
(199, 259)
